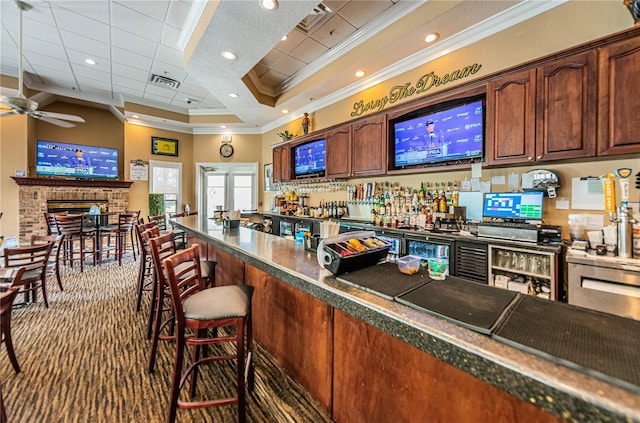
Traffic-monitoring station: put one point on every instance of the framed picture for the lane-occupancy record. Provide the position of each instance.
(268, 177)
(164, 146)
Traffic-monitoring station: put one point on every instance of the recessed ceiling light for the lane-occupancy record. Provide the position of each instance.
(233, 95)
(90, 61)
(135, 116)
(269, 4)
(360, 74)
(431, 37)
(223, 126)
(285, 111)
(229, 55)
(284, 38)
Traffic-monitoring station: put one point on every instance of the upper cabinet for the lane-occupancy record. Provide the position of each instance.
(619, 93)
(281, 163)
(369, 150)
(544, 113)
(511, 108)
(338, 157)
(566, 107)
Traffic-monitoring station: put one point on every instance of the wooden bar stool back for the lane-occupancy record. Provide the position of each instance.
(75, 236)
(145, 272)
(34, 259)
(121, 232)
(53, 266)
(204, 317)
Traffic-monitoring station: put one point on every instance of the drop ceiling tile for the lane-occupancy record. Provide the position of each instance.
(131, 59)
(358, 16)
(78, 58)
(190, 89)
(97, 92)
(33, 47)
(85, 27)
(259, 70)
(37, 31)
(308, 51)
(159, 98)
(172, 56)
(96, 10)
(93, 74)
(271, 58)
(119, 89)
(137, 23)
(333, 32)
(39, 60)
(124, 71)
(294, 38)
(336, 5)
(59, 79)
(272, 78)
(80, 43)
(160, 91)
(129, 41)
(170, 36)
(178, 12)
(90, 83)
(128, 83)
(288, 65)
(155, 9)
(168, 70)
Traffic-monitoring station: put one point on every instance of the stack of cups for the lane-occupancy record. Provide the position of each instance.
(611, 238)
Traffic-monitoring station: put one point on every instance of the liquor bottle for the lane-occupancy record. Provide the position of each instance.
(422, 192)
(442, 204)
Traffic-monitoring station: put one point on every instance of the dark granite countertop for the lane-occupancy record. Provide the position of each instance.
(564, 392)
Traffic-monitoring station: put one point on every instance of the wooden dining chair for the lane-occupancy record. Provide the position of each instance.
(207, 316)
(34, 259)
(7, 297)
(53, 265)
(78, 241)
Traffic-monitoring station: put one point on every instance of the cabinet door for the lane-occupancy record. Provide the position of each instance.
(566, 108)
(277, 165)
(511, 109)
(369, 147)
(339, 153)
(285, 163)
(619, 85)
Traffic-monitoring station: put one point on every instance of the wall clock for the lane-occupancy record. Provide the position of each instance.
(226, 150)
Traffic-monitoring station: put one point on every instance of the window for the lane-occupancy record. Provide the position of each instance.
(229, 186)
(166, 178)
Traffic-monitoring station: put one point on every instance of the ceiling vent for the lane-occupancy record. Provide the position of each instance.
(164, 82)
(316, 18)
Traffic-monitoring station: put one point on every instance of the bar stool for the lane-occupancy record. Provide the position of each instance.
(121, 232)
(6, 302)
(53, 265)
(34, 260)
(205, 312)
(73, 230)
(145, 272)
(163, 247)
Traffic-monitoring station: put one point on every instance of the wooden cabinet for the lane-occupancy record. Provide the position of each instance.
(339, 152)
(281, 163)
(511, 108)
(619, 94)
(369, 150)
(566, 108)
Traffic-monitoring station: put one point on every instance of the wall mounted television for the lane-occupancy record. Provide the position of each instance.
(513, 205)
(309, 159)
(75, 160)
(448, 132)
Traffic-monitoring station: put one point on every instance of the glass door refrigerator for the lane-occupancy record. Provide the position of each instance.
(429, 247)
(397, 245)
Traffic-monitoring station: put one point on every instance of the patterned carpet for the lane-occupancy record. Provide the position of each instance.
(84, 359)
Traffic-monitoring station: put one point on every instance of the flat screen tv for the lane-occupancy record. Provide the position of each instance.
(76, 161)
(447, 132)
(309, 159)
(513, 205)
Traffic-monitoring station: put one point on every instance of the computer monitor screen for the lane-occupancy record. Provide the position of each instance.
(513, 205)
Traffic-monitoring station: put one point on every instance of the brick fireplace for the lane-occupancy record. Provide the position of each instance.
(36, 194)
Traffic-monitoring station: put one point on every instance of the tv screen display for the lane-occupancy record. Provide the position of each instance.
(74, 160)
(309, 158)
(513, 205)
(447, 132)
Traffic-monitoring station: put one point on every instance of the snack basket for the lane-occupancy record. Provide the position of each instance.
(351, 251)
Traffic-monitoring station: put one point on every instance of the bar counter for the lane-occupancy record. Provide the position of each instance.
(558, 390)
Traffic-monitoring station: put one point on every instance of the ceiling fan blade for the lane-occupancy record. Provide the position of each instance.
(55, 121)
(10, 112)
(59, 116)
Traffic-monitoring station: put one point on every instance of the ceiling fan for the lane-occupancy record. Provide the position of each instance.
(24, 106)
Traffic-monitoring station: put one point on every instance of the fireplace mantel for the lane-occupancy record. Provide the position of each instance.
(57, 182)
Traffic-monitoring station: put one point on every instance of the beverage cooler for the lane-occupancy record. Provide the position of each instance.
(429, 248)
(397, 245)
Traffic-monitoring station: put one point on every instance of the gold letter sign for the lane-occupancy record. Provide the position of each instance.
(424, 84)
